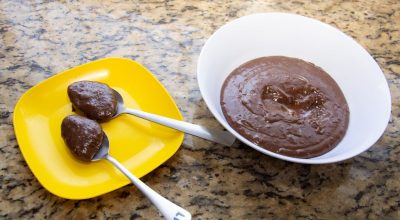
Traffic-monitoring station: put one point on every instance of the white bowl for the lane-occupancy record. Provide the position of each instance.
(350, 65)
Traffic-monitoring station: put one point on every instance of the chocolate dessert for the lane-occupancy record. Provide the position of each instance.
(82, 136)
(285, 105)
(96, 100)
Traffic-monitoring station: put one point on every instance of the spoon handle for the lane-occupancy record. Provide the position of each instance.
(169, 210)
(218, 136)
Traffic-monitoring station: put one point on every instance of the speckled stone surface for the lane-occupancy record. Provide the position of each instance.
(39, 39)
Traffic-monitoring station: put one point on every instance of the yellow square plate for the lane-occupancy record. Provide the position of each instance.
(139, 145)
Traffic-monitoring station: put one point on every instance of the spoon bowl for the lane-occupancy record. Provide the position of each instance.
(104, 149)
(169, 210)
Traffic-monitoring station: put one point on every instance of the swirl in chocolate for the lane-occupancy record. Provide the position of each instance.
(285, 105)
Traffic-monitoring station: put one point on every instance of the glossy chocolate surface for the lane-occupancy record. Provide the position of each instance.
(285, 105)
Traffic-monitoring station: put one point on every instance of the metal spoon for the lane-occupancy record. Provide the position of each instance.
(169, 210)
(221, 137)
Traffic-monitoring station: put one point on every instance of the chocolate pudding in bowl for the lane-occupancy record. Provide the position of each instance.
(285, 105)
(279, 34)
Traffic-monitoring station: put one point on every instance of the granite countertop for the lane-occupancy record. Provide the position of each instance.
(40, 39)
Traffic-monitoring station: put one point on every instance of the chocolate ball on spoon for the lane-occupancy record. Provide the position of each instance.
(95, 100)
